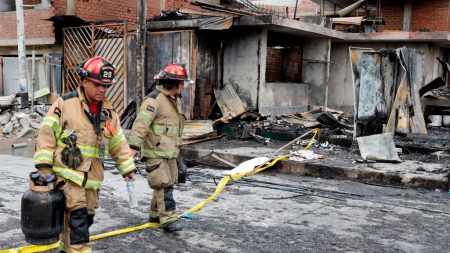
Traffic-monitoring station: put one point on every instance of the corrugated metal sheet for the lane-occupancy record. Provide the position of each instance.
(347, 10)
(229, 101)
(217, 23)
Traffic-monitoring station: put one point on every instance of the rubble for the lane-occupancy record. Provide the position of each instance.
(5, 118)
(8, 128)
(302, 155)
(19, 123)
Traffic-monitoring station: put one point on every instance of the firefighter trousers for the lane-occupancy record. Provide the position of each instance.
(162, 175)
(78, 217)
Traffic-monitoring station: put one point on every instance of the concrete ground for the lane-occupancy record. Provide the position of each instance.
(417, 170)
(267, 212)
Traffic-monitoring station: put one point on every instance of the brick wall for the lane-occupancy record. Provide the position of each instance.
(91, 10)
(88, 10)
(274, 65)
(118, 9)
(308, 6)
(180, 4)
(60, 7)
(392, 13)
(430, 14)
(35, 26)
(283, 65)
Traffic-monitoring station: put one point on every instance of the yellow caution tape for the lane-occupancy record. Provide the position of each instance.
(220, 187)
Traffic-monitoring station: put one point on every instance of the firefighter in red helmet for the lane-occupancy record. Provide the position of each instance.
(79, 131)
(156, 134)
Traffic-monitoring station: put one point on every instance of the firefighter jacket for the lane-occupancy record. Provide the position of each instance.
(158, 127)
(97, 137)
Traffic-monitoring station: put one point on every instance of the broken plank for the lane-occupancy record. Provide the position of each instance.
(216, 156)
(436, 102)
(388, 74)
(398, 119)
(410, 63)
(201, 140)
(436, 83)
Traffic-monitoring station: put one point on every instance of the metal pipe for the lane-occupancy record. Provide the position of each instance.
(295, 11)
(347, 10)
(19, 145)
(33, 77)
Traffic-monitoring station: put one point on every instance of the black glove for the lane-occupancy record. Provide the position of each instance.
(182, 170)
(42, 179)
(71, 156)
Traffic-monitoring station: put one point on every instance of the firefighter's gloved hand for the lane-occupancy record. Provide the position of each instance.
(72, 157)
(71, 154)
(182, 170)
(42, 177)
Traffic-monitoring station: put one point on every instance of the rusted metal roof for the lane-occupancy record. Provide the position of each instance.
(229, 101)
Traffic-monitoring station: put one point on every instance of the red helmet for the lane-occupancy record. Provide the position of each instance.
(172, 72)
(98, 70)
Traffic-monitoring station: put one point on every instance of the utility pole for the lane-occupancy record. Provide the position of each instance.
(21, 54)
(140, 48)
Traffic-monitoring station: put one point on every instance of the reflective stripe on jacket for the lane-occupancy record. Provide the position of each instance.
(71, 112)
(158, 127)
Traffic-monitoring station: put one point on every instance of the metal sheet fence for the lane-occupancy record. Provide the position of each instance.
(106, 40)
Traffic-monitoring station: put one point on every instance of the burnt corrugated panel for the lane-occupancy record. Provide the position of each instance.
(217, 23)
(229, 101)
(197, 128)
(347, 10)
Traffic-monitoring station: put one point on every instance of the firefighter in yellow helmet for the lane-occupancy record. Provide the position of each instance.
(79, 131)
(156, 134)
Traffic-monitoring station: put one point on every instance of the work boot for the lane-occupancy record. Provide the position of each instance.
(153, 216)
(172, 227)
(153, 219)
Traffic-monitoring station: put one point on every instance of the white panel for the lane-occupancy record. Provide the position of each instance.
(11, 75)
